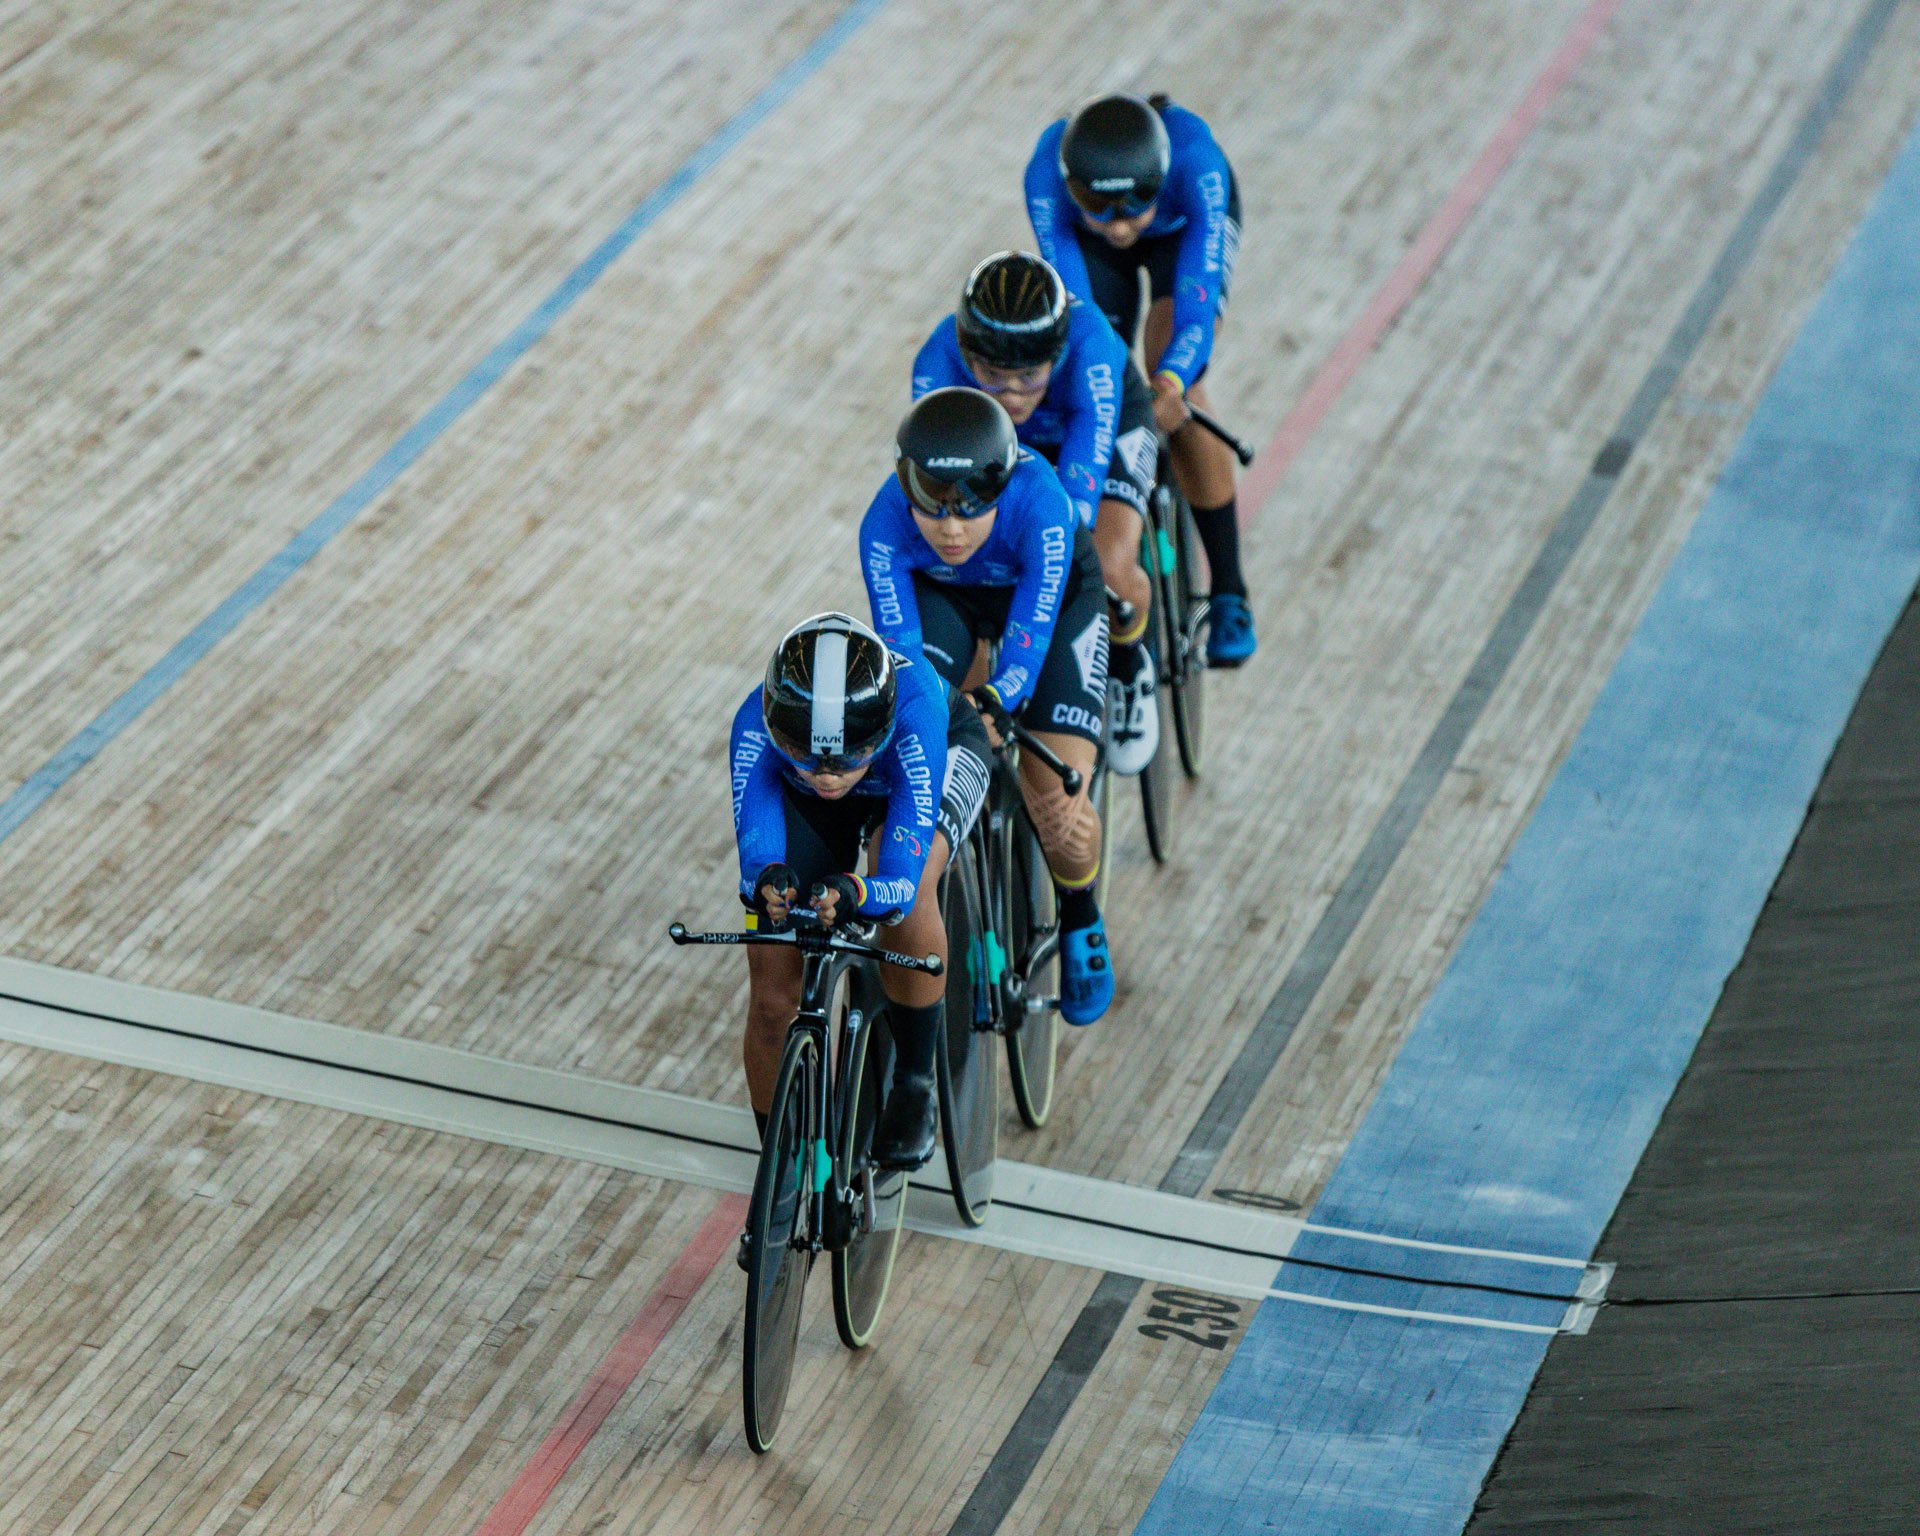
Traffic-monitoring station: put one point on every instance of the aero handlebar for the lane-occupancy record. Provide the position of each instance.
(820, 939)
(1241, 450)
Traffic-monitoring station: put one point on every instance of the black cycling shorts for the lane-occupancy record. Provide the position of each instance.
(1070, 694)
(1115, 274)
(824, 837)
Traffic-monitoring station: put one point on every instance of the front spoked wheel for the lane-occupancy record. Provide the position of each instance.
(1032, 1010)
(864, 1266)
(779, 1240)
(969, 1082)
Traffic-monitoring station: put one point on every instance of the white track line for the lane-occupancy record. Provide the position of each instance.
(1038, 1211)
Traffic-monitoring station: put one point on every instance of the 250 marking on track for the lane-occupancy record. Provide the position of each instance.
(1178, 1313)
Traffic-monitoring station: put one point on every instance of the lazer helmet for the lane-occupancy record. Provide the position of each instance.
(1115, 155)
(955, 452)
(1013, 312)
(829, 695)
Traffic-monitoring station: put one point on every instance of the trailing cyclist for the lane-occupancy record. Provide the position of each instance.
(1069, 385)
(1126, 186)
(973, 542)
(845, 743)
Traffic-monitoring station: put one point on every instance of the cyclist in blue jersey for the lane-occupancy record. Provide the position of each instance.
(1127, 186)
(845, 744)
(1069, 385)
(971, 544)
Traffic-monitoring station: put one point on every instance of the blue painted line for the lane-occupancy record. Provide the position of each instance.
(100, 732)
(1521, 1102)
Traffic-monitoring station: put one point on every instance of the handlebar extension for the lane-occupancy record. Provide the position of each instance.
(1070, 779)
(1242, 450)
(823, 939)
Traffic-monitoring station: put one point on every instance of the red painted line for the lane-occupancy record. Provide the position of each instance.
(608, 1384)
(1417, 265)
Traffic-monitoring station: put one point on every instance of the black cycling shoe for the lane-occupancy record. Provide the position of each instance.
(905, 1136)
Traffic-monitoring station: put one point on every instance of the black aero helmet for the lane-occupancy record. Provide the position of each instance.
(1013, 312)
(1115, 154)
(828, 698)
(955, 452)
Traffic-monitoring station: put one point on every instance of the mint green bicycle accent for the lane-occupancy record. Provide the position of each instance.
(822, 1165)
(996, 958)
(1166, 552)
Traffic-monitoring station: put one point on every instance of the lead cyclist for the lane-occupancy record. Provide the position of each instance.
(846, 744)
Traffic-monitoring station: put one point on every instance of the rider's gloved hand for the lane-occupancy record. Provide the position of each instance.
(994, 713)
(838, 897)
(1170, 411)
(775, 889)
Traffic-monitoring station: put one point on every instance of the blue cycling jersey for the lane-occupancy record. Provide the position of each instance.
(908, 774)
(1075, 422)
(1030, 549)
(1192, 204)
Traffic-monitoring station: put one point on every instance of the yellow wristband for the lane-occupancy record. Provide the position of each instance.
(1168, 373)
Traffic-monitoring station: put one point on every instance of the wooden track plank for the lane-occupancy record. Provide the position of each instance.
(439, 789)
(251, 245)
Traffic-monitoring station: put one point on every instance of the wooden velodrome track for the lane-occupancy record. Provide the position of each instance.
(450, 782)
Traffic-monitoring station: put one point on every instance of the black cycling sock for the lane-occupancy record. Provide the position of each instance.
(760, 1122)
(1220, 535)
(1078, 909)
(916, 1031)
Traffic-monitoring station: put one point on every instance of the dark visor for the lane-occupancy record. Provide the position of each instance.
(939, 498)
(1130, 204)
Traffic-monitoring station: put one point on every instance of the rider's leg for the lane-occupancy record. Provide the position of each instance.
(1069, 831)
(904, 1137)
(1116, 535)
(1069, 827)
(922, 931)
(1205, 467)
(1134, 718)
(773, 997)
(946, 631)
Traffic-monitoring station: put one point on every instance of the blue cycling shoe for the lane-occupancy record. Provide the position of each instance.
(1230, 631)
(1086, 973)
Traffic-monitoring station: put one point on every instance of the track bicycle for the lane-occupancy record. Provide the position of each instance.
(1003, 935)
(1170, 553)
(816, 1189)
